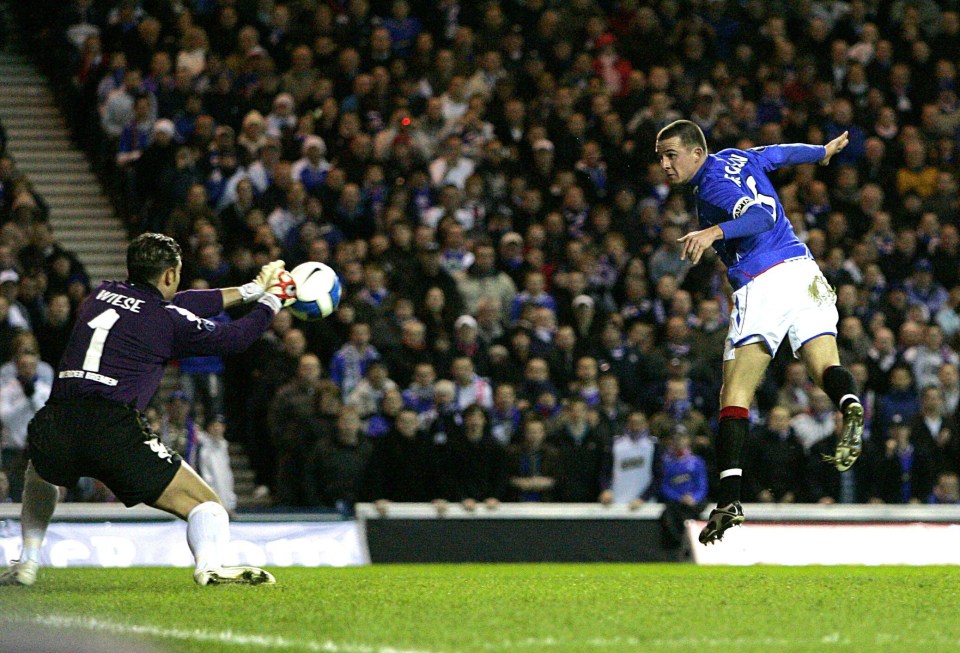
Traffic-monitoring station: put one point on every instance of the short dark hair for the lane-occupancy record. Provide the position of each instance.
(475, 408)
(149, 254)
(687, 131)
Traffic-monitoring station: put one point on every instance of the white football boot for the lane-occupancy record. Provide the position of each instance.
(20, 572)
(233, 576)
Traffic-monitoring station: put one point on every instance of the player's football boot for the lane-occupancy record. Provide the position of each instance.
(720, 520)
(233, 576)
(20, 573)
(850, 443)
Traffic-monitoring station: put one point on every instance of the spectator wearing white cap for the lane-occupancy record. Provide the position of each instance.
(544, 168)
(311, 169)
(283, 116)
(253, 135)
(466, 341)
(511, 254)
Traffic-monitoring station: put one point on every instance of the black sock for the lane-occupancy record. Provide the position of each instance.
(734, 425)
(840, 386)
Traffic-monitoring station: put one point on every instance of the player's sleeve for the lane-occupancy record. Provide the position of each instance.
(754, 220)
(204, 303)
(772, 157)
(197, 336)
(751, 213)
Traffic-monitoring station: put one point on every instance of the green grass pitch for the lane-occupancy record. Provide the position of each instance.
(524, 608)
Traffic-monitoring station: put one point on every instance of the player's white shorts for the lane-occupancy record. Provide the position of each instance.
(791, 299)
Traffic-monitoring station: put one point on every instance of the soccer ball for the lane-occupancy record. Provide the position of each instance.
(317, 289)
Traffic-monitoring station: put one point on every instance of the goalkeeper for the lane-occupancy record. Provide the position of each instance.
(125, 333)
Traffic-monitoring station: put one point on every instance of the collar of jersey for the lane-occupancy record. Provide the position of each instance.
(697, 178)
(145, 287)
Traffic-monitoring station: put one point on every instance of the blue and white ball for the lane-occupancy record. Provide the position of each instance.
(318, 291)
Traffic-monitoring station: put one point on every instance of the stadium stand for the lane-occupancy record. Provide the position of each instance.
(482, 177)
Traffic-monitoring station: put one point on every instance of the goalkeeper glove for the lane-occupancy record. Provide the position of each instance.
(280, 290)
(254, 290)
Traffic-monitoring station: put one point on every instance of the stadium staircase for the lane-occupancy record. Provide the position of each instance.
(83, 219)
(38, 141)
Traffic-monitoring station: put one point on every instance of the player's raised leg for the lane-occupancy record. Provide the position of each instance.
(743, 370)
(39, 502)
(822, 360)
(208, 530)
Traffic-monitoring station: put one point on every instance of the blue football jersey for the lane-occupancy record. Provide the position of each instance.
(733, 181)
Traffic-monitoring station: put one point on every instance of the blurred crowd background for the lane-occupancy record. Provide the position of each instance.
(517, 323)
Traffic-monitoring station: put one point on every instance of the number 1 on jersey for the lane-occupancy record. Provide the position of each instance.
(101, 326)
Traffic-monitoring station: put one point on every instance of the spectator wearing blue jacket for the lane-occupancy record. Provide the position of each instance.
(350, 363)
(683, 488)
(900, 399)
(201, 377)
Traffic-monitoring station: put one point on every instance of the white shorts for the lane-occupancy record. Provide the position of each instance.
(790, 299)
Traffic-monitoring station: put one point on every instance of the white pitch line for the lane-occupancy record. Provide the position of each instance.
(694, 642)
(199, 635)
(631, 643)
(232, 638)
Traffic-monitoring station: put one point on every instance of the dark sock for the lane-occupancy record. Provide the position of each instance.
(840, 386)
(734, 424)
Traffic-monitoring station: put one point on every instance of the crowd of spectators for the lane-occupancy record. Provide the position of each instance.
(517, 323)
(40, 285)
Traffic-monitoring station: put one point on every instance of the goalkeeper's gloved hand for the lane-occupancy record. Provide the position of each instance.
(254, 290)
(280, 290)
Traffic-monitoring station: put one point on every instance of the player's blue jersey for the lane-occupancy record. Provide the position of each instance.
(732, 181)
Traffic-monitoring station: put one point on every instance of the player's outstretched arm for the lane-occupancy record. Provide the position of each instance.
(835, 147)
(207, 303)
(196, 336)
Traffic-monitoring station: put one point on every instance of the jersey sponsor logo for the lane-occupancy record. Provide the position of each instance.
(633, 463)
(201, 322)
(120, 301)
(88, 375)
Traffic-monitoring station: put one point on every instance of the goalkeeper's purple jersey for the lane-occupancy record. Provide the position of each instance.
(730, 183)
(125, 333)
